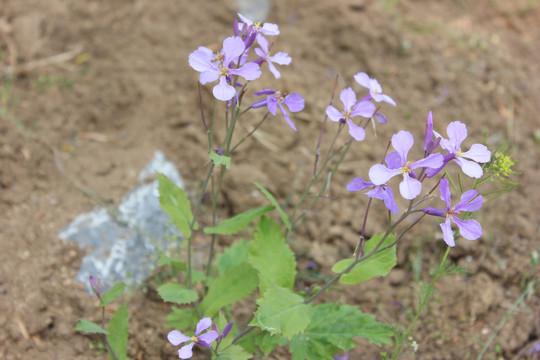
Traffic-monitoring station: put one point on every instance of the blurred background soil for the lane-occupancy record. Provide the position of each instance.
(97, 86)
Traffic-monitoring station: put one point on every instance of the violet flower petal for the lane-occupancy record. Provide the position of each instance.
(358, 184)
(357, 132)
(434, 211)
(385, 194)
(272, 104)
(281, 58)
(233, 47)
(209, 337)
(208, 76)
(333, 113)
(201, 59)
(469, 229)
(265, 92)
(286, 116)
(223, 91)
(273, 70)
(175, 337)
(448, 234)
(433, 161)
(362, 79)
(270, 29)
(348, 98)
(380, 174)
(202, 325)
(186, 351)
(295, 102)
(402, 142)
(446, 195)
(409, 187)
(393, 160)
(478, 153)
(364, 109)
(249, 71)
(470, 200)
(470, 168)
(457, 132)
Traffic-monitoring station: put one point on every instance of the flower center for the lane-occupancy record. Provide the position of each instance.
(223, 71)
(257, 25)
(280, 96)
(194, 339)
(459, 153)
(406, 168)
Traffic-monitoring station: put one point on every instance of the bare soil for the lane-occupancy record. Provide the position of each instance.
(77, 131)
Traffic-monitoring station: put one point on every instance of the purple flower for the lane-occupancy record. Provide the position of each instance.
(467, 161)
(430, 143)
(470, 201)
(280, 58)
(375, 89)
(351, 109)
(223, 66)
(259, 29)
(176, 338)
(398, 164)
(344, 356)
(381, 192)
(276, 99)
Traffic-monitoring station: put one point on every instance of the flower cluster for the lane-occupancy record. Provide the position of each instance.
(241, 57)
(364, 107)
(415, 172)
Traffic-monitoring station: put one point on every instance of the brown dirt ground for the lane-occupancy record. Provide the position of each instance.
(131, 92)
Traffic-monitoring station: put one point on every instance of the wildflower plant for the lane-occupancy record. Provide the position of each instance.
(260, 273)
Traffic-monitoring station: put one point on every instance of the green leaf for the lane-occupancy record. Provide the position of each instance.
(177, 265)
(271, 256)
(112, 294)
(231, 286)
(267, 342)
(89, 327)
(233, 352)
(176, 293)
(238, 222)
(118, 332)
(282, 214)
(181, 318)
(233, 256)
(175, 203)
(198, 276)
(281, 311)
(220, 160)
(333, 329)
(376, 265)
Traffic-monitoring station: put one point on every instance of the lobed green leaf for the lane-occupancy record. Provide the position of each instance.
(234, 284)
(283, 312)
(333, 329)
(176, 293)
(379, 264)
(271, 256)
(175, 203)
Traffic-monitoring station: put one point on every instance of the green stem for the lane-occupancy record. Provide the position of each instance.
(316, 176)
